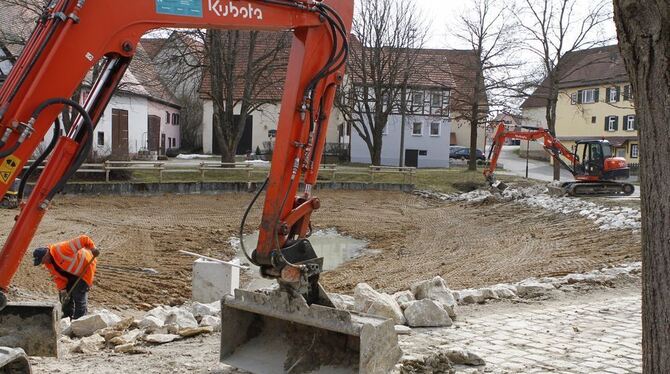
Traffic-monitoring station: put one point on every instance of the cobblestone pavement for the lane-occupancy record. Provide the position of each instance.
(599, 332)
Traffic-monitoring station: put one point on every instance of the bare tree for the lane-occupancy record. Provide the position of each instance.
(490, 36)
(644, 41)
(380, 65)
(558, 28)
(244, 68)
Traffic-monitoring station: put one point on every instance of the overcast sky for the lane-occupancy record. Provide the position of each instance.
(440, 13)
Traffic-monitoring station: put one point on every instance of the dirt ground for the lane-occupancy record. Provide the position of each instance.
(467, 245)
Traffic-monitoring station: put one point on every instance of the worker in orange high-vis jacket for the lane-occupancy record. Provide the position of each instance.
(72, 265)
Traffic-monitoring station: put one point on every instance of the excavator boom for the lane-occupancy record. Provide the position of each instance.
(72, 36)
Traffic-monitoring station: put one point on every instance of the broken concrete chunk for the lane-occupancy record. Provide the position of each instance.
(404, 297)
(462, 357)
(161, 338)
(402, 330)
(201, 310)
(88, 325)
(367, 300)
(127, 338)
(191, 331)
(488, 294)
(532, 288)
(427, 313)
(150, 323)
(181, 318)
(64, 326)
(214, 322)
(433, 364)
(471, 297)
(504, 291)
(342, 302)
(89, 344)
(161, 312)
(436, 289)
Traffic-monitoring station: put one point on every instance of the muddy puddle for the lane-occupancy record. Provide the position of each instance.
(335, 248)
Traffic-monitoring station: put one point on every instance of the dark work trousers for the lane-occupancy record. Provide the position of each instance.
(76, 306)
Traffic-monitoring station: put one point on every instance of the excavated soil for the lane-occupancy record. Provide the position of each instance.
(417, 239)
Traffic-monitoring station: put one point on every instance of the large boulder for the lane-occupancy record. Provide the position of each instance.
(462, 357)
(211, 321)
(531, 288)
(404, 297)
(181, 318)
(127, 338)
(436, 289)
(151, 323)
(427, 313)
(201, 310)
(89, 344)
(369, 301)
(343, 302)
(504, 291)
(89, 325)
(470, 296)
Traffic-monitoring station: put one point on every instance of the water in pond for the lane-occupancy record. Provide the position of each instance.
(335, 249)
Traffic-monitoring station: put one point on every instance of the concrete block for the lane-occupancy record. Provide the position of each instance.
(214, 280)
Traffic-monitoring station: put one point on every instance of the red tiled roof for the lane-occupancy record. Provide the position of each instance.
(588, 67)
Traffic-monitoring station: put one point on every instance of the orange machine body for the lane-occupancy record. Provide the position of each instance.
(73, 35)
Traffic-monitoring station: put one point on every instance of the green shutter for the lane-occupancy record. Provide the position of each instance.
(607, 123)
(626, 92)
(596, 95)
(635, 122)
(608, 91)
(625, 123)
(618, 93)
(616, 123)
(579, 96)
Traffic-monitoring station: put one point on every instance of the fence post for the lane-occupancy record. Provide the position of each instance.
(202, 172)
(160, 172)
(106, 166)
(249, 170)
(372, 174)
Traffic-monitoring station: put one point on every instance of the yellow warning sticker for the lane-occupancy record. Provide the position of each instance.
(7, 168)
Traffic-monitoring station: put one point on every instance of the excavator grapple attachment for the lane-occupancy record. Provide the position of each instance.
(278, 333)
(31, 327)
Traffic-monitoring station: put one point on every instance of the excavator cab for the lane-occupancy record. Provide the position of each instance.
(598, 162)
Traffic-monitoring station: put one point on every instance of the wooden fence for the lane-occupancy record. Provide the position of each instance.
(370, 174)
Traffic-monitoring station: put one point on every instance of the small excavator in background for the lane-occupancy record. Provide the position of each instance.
(592, 163)
(293, 329)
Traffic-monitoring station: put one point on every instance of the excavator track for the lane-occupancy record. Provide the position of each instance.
(597, 189)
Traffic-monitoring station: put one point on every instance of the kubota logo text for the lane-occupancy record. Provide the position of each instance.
(228, 9)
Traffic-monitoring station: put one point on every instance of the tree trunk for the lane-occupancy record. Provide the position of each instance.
(472, 164)
(551, 126)
(643, 27)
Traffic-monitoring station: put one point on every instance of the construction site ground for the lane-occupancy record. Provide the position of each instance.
(598, 331)
(411, 239)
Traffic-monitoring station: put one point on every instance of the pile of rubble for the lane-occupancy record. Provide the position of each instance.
(104, 329)
(432, 304)
(607, 218)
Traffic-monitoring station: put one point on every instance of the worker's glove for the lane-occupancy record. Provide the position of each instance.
(95, 252)
(62, 295)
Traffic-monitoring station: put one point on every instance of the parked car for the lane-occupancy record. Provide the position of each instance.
(464, 154)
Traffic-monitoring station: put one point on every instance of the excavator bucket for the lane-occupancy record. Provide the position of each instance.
(31, 327)
(268, 333)
(14, 361)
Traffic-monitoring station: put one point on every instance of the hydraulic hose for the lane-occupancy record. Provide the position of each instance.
(31, 170)
(85, 138)
(244, 221)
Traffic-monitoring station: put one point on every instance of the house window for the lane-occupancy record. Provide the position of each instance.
(613, 94)
(101, 138)
(630, 123)
(417, 129)
(423, 153)
(634, 151)
(589, 96)
(435, 129)
(167, 117)
(417, 98)
(573, 99)
(593, 119)
(611, 123)
(436, 100)
(174, 142)
(627, 93)
(169, 144)
(175, 119)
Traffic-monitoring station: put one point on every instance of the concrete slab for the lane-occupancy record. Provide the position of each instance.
(212, 281)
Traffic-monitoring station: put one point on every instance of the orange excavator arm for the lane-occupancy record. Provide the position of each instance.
(552, 145)
(73, 35)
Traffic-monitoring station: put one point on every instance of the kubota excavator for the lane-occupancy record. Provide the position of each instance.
(593, 164)
(294, 329)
